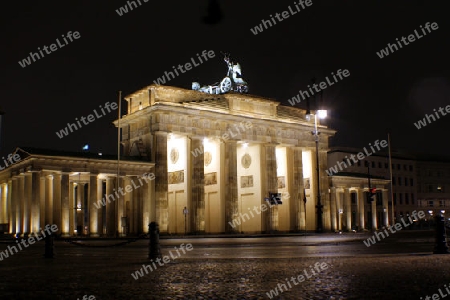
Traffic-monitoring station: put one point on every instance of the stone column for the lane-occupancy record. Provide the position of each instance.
(57, 201)
(151, 188)
(15, 205)
(128, 201)
(385, 207)
(334, 210)
(77, 200)
(80, 201)
(135, 209)
(357, 209)
(297, 191)
(311, 209)
(48, 200)
(11, 209)
(362, 202)
(42, 202)
(35, 201)
(161, 184)
(269, 174)
(110, 207)
(28, 194)
(324, 186)
(145, 205)
(4, 206)
(374, 214)
(198, 186)
(348, 209)
(102, 209)
(72, 210)
(7, 206)
(21, 207)
(230, 185)
(120, 205)
(65, 208)
(93, 209)
(339, 208)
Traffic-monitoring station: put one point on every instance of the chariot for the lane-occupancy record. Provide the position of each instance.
(232, 82)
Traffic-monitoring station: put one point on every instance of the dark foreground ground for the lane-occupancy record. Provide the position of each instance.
(399, 268)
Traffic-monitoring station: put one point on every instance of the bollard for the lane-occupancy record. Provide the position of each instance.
(440, 246)
(49, 247)
(154, 250)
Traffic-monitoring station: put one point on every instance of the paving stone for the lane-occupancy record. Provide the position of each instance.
(106, 274)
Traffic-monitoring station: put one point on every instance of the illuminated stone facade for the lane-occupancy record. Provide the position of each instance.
(50, 187)
(221, 155)
(218, 156)
(349, 197)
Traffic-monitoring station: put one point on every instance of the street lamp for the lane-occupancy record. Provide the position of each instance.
(322, 114)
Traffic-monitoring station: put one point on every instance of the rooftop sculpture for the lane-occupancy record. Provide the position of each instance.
(232, 82)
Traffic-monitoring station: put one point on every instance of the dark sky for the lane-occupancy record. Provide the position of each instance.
(128, 52)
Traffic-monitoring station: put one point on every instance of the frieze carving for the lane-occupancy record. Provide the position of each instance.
(176, 177)
(246, 181)
(246, 160)
(206, 124)
(281, 182)
(174, 155)
(211, 178)
(207, 158)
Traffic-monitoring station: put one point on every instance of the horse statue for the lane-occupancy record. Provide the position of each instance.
(232, 82)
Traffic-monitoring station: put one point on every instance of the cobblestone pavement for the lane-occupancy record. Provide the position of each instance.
(106, 274)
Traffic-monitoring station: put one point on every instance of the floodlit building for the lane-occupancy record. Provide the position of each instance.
(419, 182)
(210, 163)
(215, 159)
(76, 191)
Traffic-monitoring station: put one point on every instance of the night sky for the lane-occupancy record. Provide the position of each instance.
(128, 52)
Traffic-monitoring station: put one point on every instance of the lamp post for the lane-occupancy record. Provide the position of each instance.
(322, 114)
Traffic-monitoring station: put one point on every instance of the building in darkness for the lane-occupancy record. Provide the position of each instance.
(433, 185)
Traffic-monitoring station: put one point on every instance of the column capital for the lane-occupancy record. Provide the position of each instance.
(163, 133)
(230, 141)
(270, 144)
